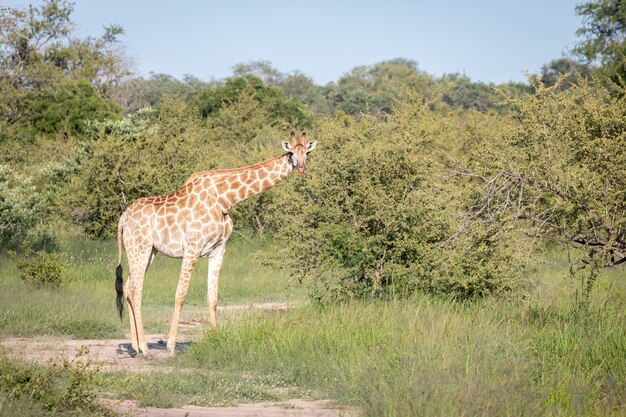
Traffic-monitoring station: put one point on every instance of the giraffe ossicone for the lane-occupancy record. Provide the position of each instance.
(190, 223)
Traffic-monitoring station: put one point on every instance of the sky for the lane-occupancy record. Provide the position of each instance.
(490, 41)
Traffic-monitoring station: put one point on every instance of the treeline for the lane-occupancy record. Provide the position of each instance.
(420, 183)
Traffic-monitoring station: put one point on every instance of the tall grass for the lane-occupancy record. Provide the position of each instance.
(426, 356)
(541, 355)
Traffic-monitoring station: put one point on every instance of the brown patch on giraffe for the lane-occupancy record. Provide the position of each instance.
(236, 184)
(267, 183)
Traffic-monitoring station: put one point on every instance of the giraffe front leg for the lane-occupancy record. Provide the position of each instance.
(215, 263)
(189, 262)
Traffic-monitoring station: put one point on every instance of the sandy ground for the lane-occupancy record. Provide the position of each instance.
(291, 408)
(117, 355)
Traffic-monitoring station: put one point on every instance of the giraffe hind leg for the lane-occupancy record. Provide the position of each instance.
(131, 318)
(138, 264)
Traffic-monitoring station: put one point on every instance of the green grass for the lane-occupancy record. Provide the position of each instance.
(59, 388)
(85, 307)
(199, 387)
(544, 354)
(425, 356)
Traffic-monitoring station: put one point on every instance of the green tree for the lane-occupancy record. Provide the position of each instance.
(282, 110)
(558, 170)
(264, 70)
(563, 71)
(23, 210)
(49, 76)
(469, 95)
(147, 153)
(604, 34)
(377, 213)
(136, 93)
(301, 87)
(374, 89)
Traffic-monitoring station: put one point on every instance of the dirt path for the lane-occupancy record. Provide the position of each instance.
(117, 355)
(291, 408)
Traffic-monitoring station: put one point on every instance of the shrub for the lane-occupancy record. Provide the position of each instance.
(145, 154)
(41, 269)
(60, 387)
(23, 209)
(377, 215)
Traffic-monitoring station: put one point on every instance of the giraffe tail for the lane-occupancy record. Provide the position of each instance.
(119, 280)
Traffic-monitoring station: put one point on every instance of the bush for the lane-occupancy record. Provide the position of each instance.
(154, 152)
(145, 154)
(41, 269)
(23, 209)
(377, 215)
(60, 387)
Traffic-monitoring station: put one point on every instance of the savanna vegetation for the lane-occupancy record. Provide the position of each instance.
(456, 247)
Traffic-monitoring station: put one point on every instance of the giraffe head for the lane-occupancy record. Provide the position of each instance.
(297, 151)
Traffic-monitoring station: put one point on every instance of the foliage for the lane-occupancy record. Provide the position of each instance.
(558, 172)
(51, 80)
(283, 111)
(263, 70)
(301, 87)
(145, 154)
(564, 72)
(375, 214)
(41, 269)
(137, 93)
(469, 95)
(154, 151)
(374, 89)
(22, 212)
(61, 387)
(604, 35)
(64, 108)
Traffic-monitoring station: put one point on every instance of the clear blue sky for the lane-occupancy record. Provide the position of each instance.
(493, 41)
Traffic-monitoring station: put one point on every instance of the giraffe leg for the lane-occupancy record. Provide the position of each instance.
(131, 317)
(138, 263)
(189, 262)
(215, 263)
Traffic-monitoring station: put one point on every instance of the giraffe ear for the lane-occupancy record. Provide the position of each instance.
(311, 145)
(287, 146)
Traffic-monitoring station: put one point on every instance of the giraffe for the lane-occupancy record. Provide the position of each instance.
(190, 223)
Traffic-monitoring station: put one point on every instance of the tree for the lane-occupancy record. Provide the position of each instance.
(147, 153)
(51, 77)
(469, 95)
(136, 93)
(264, 70)
(282, 110)
(376, 216)
(604, 34)
(23, 209)
(563, 71)
(299, 86)
(373, 89)
(558, 171)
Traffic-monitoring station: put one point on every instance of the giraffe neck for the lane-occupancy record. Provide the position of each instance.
(240, 184)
